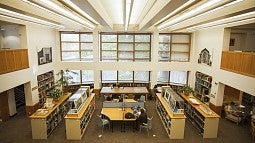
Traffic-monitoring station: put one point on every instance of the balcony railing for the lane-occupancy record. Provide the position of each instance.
(13, 60)
(239, 62)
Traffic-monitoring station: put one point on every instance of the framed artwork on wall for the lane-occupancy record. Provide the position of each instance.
(205, 57)
(45, 55)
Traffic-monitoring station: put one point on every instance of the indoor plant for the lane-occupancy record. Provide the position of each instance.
(186, 90)
(65, 79)
(56, 93)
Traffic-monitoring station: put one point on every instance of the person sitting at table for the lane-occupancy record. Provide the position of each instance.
(142, 118)
(232, 107)
(109, 98)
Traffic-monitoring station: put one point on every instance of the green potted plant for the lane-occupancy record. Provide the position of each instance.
(186, 90)
(56, 93)
(65, 79)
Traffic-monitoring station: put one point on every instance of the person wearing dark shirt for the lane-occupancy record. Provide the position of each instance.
(108, 98)
(142, 118)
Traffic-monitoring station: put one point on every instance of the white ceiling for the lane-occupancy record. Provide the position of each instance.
(109, 15)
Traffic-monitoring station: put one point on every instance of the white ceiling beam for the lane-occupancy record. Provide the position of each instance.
(213, 15)
(153, 11)
(102, 12)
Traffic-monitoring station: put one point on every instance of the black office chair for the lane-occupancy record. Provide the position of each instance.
(115, 96)
(137, 97)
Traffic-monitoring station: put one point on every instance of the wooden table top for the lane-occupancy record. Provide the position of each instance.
(117, 114)
(196, 106)
(124, 90)
(49, 111)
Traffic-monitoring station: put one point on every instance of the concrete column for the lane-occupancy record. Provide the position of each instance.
(11, 102)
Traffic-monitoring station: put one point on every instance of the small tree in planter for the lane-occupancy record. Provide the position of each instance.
(186, 90)
(65, 79)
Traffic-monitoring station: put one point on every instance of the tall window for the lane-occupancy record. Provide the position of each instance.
(174, 47)
(125, 47)
(125, 76)
(81, 76)
(172, 77)
(76, 46)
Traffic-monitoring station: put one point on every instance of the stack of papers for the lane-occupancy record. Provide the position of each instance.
(193, 101)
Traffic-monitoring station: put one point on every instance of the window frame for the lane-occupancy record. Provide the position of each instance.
(79, 44)
(171, 83)
(171, 44)
(133, 51)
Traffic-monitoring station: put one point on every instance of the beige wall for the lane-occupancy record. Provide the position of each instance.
(37, 37)
(213, 40)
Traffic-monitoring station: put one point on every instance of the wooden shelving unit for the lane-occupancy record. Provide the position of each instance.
(44, 121)
(76, 123)
(173, 123)
(45, 85)
(203, 87)
(201, 116)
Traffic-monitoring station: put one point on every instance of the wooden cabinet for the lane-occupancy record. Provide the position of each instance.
(76, 123)
(173, 123)
(13, 60)
(201, 116)
(44, 121)
(203, 87)
(45, 85)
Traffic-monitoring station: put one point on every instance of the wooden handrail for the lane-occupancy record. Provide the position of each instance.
(13, 60)
(238, 62)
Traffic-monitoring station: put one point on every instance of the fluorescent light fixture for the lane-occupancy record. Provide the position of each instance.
(19, 16)
(127, 13)
(188, 14)
(68, 14)
(208, 12)
(252, 20)
(71, 4)
(231, 20)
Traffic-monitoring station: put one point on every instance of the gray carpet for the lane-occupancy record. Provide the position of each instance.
(18, 130)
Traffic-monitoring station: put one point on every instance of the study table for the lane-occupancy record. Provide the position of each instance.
(125, 90)
(118, 114)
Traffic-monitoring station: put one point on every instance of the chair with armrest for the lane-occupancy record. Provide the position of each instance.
(103, 122)
(147, 126)
(232, 115)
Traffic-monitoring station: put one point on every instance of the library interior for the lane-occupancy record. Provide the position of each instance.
(122, 71)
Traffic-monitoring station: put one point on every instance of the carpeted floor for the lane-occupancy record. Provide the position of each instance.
(18, 130)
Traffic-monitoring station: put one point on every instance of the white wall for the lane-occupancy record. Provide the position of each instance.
(37, 37)
(244, 39)
(213, 40)
(11, 36)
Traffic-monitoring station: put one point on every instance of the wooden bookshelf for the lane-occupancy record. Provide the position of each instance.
(77, 123)
(44, 121)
